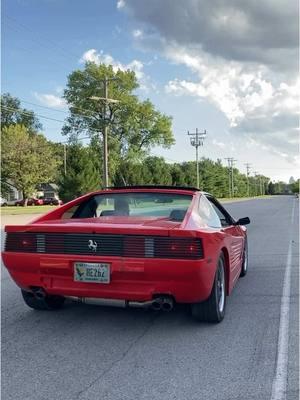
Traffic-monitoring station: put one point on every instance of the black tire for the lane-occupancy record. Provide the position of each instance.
(244, 269)
(47, 303)
(213, 309)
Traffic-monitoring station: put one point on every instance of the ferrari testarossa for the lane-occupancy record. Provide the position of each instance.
(138, 246)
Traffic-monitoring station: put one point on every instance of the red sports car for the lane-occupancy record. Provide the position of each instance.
(139, 246)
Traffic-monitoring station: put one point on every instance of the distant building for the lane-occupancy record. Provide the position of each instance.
(47, 190)
(13, 194)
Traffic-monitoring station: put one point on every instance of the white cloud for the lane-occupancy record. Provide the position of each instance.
(255, 101)
(218, 144)
(234, 88)
(50, 100)
(92, 55)
(137, 34)
(120, 4)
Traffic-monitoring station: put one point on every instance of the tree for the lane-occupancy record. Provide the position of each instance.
(27, 159)
(295, 186)
(13, 114)
(271, 188)
(134, 126)
(82, 174)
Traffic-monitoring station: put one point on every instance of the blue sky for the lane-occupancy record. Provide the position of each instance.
(186, 72)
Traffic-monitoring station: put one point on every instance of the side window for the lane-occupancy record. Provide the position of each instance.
(208, 214)
(222, 214)
(69, 213)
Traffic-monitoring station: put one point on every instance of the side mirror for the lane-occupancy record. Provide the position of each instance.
(243, 221)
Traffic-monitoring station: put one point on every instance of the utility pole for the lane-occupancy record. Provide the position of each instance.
(232, 180)
(105, 153)
(248, 183)
(231, 162)
(197, 139)
(260, 185)
(65, 152)
(65, 158)
(105, 131)
(255, 174)
(229, 177)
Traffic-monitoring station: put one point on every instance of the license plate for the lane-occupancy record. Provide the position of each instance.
(92, 272)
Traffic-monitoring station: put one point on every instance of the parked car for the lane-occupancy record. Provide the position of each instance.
(39, 201)
(3, 202)
(52, 201)
(142, 246)
(30, 202)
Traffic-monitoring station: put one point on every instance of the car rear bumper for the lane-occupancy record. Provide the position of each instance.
(136, 279)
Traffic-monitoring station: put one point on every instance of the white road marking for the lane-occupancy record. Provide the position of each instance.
(280, 380)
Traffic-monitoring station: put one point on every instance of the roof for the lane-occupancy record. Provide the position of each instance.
(47, 186)
(188, 188)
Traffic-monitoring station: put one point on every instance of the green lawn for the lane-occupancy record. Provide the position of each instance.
(12, 210)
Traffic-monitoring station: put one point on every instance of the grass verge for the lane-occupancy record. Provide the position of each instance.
(12, 210)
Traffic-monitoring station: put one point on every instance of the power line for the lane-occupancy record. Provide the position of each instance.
(17, 25)
(54, 46)
(42, 116)
(62, 111)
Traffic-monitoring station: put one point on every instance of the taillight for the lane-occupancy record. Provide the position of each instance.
(22, 242)
(27, 243)
(134, 246)
(178, 248)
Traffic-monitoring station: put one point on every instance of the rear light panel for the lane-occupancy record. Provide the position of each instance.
(22, 242)
(178, 248)
(133, 246)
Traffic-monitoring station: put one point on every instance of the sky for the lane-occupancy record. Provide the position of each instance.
(227, 67)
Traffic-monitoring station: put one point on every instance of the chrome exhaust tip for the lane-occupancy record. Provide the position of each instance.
(39, 293)
(156, 304)
(167, 304)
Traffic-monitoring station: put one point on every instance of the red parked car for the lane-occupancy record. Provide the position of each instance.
(134, 246)
(39, 201)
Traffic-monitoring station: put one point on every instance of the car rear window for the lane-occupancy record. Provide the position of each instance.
(164, 205)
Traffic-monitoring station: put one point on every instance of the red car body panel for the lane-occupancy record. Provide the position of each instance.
(132, 278)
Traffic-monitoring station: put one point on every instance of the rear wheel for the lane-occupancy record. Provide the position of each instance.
(213, 309)
(46, 303)
(245, 260)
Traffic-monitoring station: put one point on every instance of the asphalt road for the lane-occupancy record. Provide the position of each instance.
(89, 352)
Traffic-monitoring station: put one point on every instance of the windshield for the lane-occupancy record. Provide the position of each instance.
(164, 205)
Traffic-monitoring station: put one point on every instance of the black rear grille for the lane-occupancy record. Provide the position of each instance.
(105, 245)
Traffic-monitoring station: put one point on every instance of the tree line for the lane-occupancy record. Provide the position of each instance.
(135, 127)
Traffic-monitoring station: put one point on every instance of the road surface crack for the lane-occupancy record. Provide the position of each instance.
(121, 358)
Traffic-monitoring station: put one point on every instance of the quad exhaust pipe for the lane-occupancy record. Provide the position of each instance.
(160, 303)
